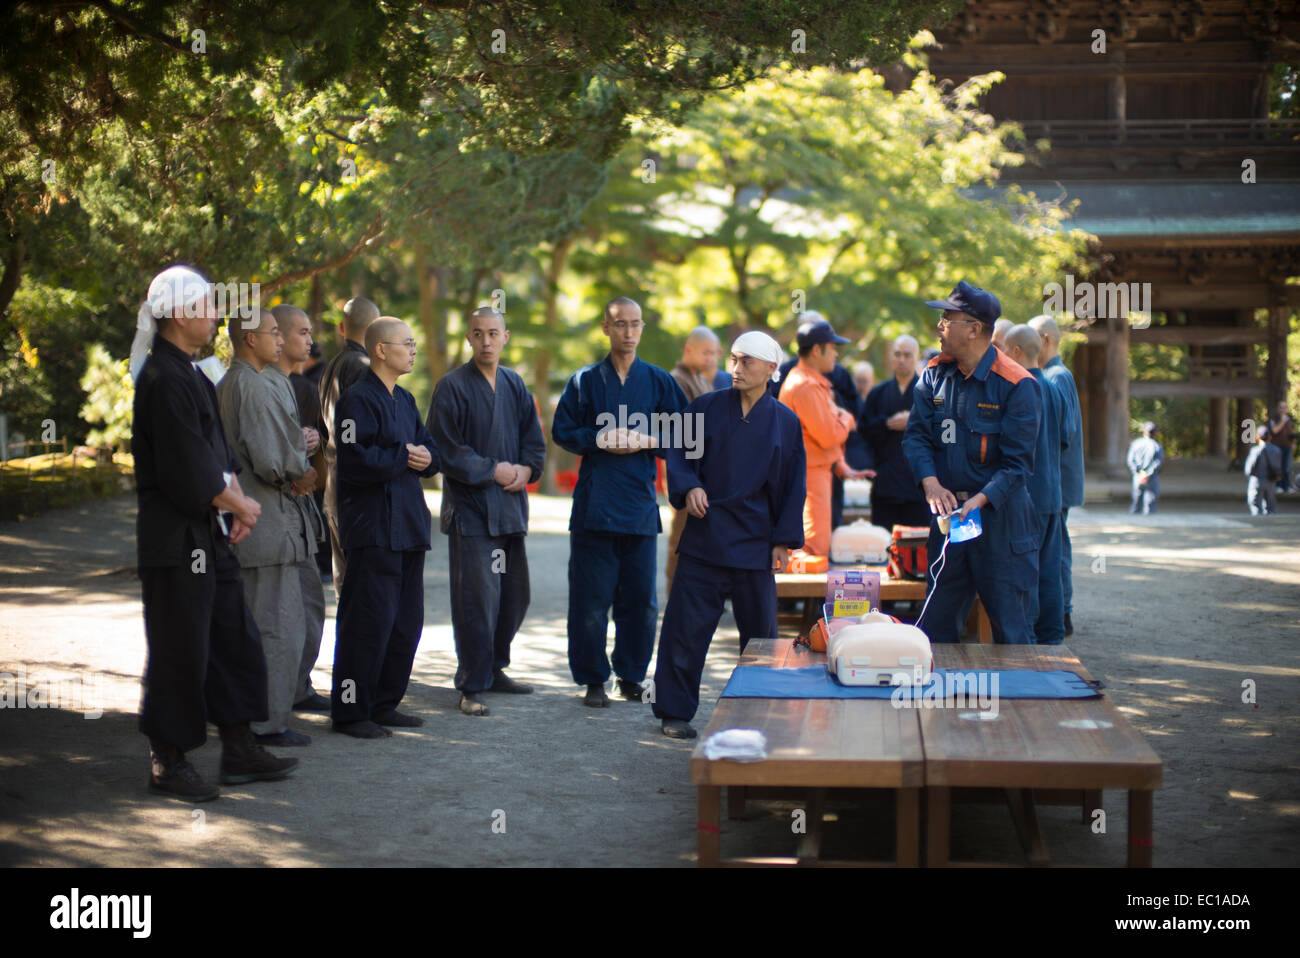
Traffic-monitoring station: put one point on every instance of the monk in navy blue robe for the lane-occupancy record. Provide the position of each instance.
(752, 473)
(491, 445)
(615, 520)
(384, 529)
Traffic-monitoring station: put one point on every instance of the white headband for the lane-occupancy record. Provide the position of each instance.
(760, 346)
(177, 287)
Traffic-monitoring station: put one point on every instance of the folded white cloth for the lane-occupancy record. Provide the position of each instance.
(737, 744)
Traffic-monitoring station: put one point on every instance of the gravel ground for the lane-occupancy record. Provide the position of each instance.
(1186, 606)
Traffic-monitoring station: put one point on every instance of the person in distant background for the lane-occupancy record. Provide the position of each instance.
(896, 497)
(1263, 469)
(1145, 456)
(857, 452)
(1281, 430)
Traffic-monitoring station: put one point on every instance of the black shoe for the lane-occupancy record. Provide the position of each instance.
(286, 739)
(504, 683)
(243, 760)
(313, 703)
(596, 697)
(471, 703)
(676, 728)
(172, 775)
(363, 729)
(396, 719)
(632, 691)
(1069, 628)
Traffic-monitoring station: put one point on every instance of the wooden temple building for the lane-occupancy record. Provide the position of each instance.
(1158, 131)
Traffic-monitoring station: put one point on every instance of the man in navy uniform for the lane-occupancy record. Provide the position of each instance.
(1059, 375)
(490, 441)
(744, 502)
(205, 653)
(384, 527)
(1047, 602)
(970, 442)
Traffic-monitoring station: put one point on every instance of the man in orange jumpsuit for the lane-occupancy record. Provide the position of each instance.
(826, 426)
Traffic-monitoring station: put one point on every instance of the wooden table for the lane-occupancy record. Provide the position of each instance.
(1035, 751)
(814, 745)
(811, 587)
(1040, 750)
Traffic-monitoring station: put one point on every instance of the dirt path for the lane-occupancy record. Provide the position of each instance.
(1191, 603)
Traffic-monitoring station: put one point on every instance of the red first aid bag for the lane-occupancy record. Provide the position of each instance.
(907, 552)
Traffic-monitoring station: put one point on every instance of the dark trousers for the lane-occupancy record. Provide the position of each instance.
(205, 653)
(380, 617)
(694, 609)
(1067, 563)
(611, 570)
(1047, 602)
(888, 513)
(1000, 566)
(489, 597)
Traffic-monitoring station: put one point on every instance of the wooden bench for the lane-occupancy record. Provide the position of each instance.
(811, 587)
(812, 745)
(1036, 750)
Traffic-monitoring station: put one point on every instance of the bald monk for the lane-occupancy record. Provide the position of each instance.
(696, 373)
(296, 341)
(341, 372)
(1046, 611)
(262, 428)
(490, 440)
(1000, 330)
(384, 529)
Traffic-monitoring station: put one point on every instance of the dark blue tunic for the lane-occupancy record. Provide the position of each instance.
(615, 492)
(381, 502)
(753, 472)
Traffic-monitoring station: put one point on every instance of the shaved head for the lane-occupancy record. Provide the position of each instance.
(485, 312)
(382, 330)
(702, 334)
(237, 327)
(1046, 326)
(287, 317)
(358, 314)
(1026, 339)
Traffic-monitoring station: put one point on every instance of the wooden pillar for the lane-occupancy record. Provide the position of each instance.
(1079, 367)
(1218, 432)
(1115, 391)
(1277, 330)
(1241, 447)
(1096, 422)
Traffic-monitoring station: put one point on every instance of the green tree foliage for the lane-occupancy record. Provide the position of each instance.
(109, 395)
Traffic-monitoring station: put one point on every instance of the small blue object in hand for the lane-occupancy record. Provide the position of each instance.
(968, 528)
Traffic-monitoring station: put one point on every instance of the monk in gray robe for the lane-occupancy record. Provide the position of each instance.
(262, 429)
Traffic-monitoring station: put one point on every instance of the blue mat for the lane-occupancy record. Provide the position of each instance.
(815, 682)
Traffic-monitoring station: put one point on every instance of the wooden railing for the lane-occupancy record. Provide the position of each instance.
(1224, 132)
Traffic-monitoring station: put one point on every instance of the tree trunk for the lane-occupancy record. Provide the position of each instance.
(542, 354)
(433, 319)
(9, 280)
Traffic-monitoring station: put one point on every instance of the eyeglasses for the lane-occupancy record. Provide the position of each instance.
(622, 326)
(945, 323)
(408, 344)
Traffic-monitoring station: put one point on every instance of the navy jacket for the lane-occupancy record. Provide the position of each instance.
(1059, 375)
(381, 502)
(477, 427)
(616, 492)
(894, 481)
(1045, 480)
(753, 470)
(991, 418)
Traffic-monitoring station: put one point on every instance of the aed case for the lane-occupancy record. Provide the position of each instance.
(857, 492)
(879, 653)
(860, 542)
